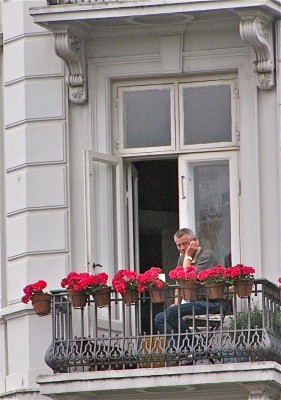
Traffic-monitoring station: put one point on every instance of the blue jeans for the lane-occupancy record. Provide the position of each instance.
(174, 324)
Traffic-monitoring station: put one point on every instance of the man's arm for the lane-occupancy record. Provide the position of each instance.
(205, 260)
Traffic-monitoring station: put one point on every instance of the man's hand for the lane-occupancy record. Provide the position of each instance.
(192, 248)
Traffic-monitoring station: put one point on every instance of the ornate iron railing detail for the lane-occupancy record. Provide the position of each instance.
(123, 337)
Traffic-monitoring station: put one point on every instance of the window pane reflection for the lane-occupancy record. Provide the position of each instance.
(212, 208)
(147, 118)
(207, 114)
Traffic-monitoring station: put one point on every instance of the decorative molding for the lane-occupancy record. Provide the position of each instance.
(171, 53)
(72, 50)
(259, 391)
(256, 30)
(259, 395)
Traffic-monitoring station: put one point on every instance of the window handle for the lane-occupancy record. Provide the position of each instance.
(182, 187)
(96, 265)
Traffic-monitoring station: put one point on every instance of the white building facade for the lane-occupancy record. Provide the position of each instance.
(122, 121)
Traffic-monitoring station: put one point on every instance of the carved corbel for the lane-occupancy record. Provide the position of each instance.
(259, 395)
(71, 49)
(258, 32)
(262, 391)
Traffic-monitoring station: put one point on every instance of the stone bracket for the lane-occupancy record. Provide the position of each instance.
(72, 50)
(258, 391)
(257, 30)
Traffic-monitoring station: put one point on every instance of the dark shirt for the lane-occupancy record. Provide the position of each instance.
(205, 259)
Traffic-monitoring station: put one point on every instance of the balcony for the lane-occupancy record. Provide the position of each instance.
(86, 2)
(88, 15)
(119, 346)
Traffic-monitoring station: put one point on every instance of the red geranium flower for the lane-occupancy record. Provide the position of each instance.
(85, 281)
(215, 274)
(239, 271)
(149, 279)
(181, 274)
(31, 289)
(123, 280)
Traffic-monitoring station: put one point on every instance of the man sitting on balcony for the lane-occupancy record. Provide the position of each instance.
(190, 254)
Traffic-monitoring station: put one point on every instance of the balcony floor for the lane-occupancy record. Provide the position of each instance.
(221, 381)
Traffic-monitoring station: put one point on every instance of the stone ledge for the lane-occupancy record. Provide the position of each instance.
(221, 378)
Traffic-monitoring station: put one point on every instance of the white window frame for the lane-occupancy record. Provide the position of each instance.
(186, 193)
(116, 244)
(133, 217)
(119, 135)
(176, 86)
(200, 146)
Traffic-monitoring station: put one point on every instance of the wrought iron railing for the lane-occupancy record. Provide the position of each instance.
(121, 336)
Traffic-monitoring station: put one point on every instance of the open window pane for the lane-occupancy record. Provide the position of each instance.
(207, 114)
(212, 208)
(147, 118)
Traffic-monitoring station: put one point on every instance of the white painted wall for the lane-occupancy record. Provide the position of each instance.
(42, 228)
(35, 222)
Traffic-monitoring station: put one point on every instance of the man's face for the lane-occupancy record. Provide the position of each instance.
(182, 243)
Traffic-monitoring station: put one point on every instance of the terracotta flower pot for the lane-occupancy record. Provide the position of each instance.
(41, 303)
(215, 290)
(78, 298)
(189, 290)
(159, 295)
(102, 297)
(131, 296)
(243, 288)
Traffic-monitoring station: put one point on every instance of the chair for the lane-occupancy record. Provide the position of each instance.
(204, 326)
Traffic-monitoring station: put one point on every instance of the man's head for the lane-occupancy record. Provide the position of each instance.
(182, 239)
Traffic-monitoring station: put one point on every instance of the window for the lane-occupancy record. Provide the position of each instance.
(175, 164)
(142, 125)
(206, 113)
(146, 119)
(175, 116)
(209, 201)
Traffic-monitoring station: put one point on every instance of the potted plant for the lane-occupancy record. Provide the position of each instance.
(214, 280)
(186, 277)
(41, 301)
(99, 289)
(76, 284)
(125, 282)
(242, 278)
(158, 289)
(81, 285)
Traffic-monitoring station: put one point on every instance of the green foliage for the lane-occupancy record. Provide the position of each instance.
(255, 317)
(276, 322)
(242, 319)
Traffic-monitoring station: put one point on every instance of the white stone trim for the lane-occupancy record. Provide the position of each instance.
(256, 29)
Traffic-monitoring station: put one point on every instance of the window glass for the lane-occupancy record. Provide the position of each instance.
(207, 114)
(147, 118)
(212, 208)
